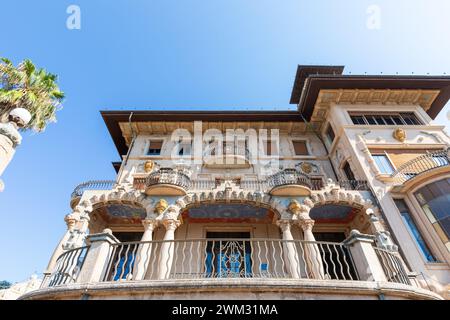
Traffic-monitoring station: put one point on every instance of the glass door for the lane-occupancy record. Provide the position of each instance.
(228, 255)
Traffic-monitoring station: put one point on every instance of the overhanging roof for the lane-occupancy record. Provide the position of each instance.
(113, 118)
(310, 80)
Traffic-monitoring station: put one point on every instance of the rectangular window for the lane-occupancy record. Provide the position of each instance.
(403, 118)
(330, 134)
(410, 223)
(155, 147)
(348, 172)
(383, 163)
(410, 118)
(300, 148)
(358, 119)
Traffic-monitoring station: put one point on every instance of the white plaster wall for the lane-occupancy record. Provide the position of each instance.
(351, 149)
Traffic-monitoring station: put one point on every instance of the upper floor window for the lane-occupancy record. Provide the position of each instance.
(330, 134)
(435, 202)
(300, 148)
(402, 118)
(348, 172)
(411, 224)
(154, 149)
(384, 164)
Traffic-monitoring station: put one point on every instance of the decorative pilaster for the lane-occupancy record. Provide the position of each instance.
(145, 249)
(167, 248)
(312, 252)
(289, 250)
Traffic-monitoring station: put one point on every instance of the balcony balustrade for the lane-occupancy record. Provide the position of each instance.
(167, 181)
(226, 259)
(358, 185)
(89, 185)
(290, 182)
(420, 165)
(232, 156)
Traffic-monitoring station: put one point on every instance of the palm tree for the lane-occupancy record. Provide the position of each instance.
(33, 89)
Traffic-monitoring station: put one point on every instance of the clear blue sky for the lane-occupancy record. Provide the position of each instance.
(176, 54)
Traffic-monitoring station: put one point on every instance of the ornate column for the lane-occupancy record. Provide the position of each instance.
(79, 234)
(312, 252)
(10, 138)
(145, 249)
(167, 248)
(289, 250)
(71, 221)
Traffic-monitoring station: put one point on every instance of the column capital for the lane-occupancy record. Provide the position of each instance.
(306, 224)
(171, 224)
(70, 220)
(149, 224)
(284, 225)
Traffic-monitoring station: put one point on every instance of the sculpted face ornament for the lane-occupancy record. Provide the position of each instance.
(399, 134)
(148, 166)
(306, 167)
(294, 207)
(161, 206)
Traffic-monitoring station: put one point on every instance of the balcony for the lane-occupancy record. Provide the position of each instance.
(210, 267)
(167, 181)
(421, 165)
(357, 185)
(90, 185)
(233, 156)
(289, 182)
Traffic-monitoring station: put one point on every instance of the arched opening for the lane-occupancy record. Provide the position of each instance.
(333, 222)
(124, 219)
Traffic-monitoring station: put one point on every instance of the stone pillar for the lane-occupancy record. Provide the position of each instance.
(145, 249)
(364, 256)
(96, 260)
(289, 250)
(10, 138)
(312, 252)
(167, 249)
(70, 220)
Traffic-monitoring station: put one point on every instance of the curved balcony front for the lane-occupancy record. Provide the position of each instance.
(89, 185)
(419, 167)
(235, 157)
(167, 181)
(228, 269)
(289, 182)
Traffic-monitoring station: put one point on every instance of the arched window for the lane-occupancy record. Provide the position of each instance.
(434, 200)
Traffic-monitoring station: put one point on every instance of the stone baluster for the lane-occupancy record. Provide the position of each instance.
(289, 250)
(167, 248)
(145, 249)
(312, 252)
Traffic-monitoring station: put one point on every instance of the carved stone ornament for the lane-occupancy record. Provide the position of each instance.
(306, 167)
(148, 166)
(294, 207)
(399, 135)
(161, 206)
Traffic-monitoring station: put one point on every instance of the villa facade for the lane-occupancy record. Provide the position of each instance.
(346, 198)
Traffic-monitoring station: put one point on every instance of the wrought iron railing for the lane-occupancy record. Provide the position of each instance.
(68, 266)
(168, 176)
(289, 177)
(360, 185)
(229, 258)
(92, 185)
(392, 266)
(421, 164)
